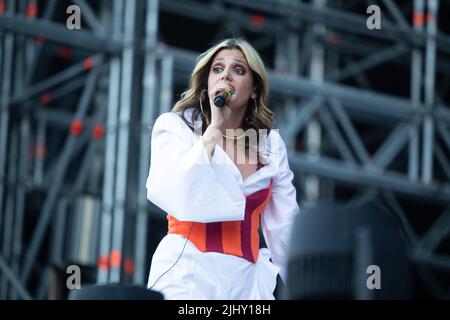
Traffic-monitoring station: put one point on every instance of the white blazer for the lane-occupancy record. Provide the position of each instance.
(182, 181)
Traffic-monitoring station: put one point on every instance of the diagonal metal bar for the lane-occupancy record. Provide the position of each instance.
(445, 134)
(39, 231)
(371, 61)
(349, 130)
(86, 163)
(355, 46)
(90, 17)
(48, 12)
(397, 14)
(63, 163)
(307, 109)
(364, 196)
(423, 262)
(83, 172)
(68, 87)
(7, 272)
(361, 77)
(49, 49)
(395, 205)
(336, 136)
(442, 159)
(436, 260)
(53, 80)
(437, 232)
(59, 119)
(392, 145)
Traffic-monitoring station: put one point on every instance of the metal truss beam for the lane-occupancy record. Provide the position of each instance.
(149, 114)
(392, 201)
(373, 60)
(90, 17)
(306, 111)
(397, 14)
(60, 119)
(364, 196)
(442, 160)
(63, 164)
(358, 176)
(123, 139)
(437, 232)
(336, 137)
(53, 80)
(303, 12)
(14, 280)
(348, 45)
(349, 130)
(392, 145)
(59, 33)
(112, 123)
(436, 260)
(341, 20)
(335, 105)
(214, 13)
(357, 100)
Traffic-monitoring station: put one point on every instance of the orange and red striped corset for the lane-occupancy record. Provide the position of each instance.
(239, 238)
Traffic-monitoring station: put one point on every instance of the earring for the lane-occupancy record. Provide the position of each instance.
(256, 105)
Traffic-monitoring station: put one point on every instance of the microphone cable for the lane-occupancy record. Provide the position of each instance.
(185, 243)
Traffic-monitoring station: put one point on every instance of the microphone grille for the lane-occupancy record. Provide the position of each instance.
(219, 101)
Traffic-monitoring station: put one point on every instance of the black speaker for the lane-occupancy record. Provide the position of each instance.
(342, 252)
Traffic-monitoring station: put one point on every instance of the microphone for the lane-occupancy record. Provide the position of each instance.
(222, 96)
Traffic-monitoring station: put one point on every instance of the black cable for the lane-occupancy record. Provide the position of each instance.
(175, 261)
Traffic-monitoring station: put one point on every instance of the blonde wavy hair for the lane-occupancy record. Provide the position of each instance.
(258, 114)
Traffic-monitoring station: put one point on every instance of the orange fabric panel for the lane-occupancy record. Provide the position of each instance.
(198, 235)
(231, 232)
(195, 231)
(231, 238)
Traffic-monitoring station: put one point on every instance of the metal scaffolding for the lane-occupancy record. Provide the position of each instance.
(77, 107)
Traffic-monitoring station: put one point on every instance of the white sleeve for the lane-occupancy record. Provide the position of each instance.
(183, 182)
(281, 210)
